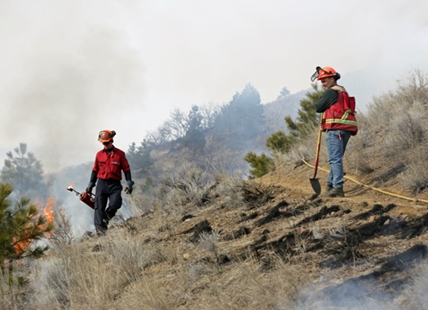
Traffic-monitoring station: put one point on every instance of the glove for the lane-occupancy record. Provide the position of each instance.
(128, 188)
(90, 187)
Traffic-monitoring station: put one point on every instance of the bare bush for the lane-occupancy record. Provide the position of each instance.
(392, 133)
(415, 177)
(62, 232)
(409, 127)
(228, 189)
(184, 184)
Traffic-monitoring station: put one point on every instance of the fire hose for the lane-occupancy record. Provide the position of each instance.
(371, 187)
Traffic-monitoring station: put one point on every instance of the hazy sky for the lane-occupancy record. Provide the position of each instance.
(69, 69)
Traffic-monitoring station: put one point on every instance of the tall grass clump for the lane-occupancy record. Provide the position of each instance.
(81, 276)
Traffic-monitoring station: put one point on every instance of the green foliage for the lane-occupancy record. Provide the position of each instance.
(305, 123)
(20, 227)
(261, 164)
(139, 158)
(24, 172)
(307, 118)
(194, 139)
(241, 121)
(280, 142)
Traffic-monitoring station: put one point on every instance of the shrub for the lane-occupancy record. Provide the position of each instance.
(261, 164)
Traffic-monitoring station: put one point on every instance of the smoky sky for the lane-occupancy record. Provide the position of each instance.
(69, 69)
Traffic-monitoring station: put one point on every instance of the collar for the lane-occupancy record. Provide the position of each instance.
(108, 151)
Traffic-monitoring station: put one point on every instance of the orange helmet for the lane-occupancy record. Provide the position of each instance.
(106, 135)
(325, 72)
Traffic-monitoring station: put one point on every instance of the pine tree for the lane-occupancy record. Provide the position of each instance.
(307, 118)
(241, 121)
(20, 227)
(24, 172)
(194, 139)
(261, 164)
(140, 159)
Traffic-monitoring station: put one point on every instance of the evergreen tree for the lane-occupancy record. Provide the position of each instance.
(307, 118)
(261, 164)
(240, 121)
(280, 142)
(140, 159)
(284, 92)
(19, 228)
(24, 172)
(194, 139)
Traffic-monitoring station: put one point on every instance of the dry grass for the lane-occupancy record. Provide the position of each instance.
(149, 262)
(92, 274)
(395, 134)
(228, 189)
(133, 267)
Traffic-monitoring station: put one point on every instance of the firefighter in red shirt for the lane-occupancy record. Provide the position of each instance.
(108, 167)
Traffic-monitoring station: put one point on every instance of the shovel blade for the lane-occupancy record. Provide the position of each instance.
(316, 185)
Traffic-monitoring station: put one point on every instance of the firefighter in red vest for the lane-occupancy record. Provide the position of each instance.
(108, 167)
(339, 123)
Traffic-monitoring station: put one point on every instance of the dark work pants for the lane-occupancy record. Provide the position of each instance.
(106, 190)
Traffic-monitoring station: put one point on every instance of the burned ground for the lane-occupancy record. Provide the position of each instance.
(363, 244)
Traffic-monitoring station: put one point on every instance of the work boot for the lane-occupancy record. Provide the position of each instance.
(334, 192)
(101, 231)
(329, 187)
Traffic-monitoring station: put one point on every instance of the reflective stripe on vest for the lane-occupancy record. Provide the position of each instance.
(342, 120)
(339, 115)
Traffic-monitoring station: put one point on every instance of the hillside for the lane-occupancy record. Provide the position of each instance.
(203, 237)
(261, 244)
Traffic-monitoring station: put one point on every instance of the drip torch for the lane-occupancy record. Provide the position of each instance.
(85, 197)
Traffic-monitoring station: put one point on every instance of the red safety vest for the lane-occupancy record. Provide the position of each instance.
(341, 114)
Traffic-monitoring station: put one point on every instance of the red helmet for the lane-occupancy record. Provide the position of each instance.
(106, 135)
(325, 72)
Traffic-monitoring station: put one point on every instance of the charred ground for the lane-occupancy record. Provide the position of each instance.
(365, 245)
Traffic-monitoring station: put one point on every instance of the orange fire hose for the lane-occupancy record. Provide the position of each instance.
(371, 187)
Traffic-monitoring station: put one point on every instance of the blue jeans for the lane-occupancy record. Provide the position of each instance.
(336, 141)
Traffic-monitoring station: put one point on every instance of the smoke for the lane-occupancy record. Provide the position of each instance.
(400, 280)
(68, 77)
(68, 70)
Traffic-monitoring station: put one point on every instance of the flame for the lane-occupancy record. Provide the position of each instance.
(70, 188)
(48, 213)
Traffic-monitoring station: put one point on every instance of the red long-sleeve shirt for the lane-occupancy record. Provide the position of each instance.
(109, 166)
